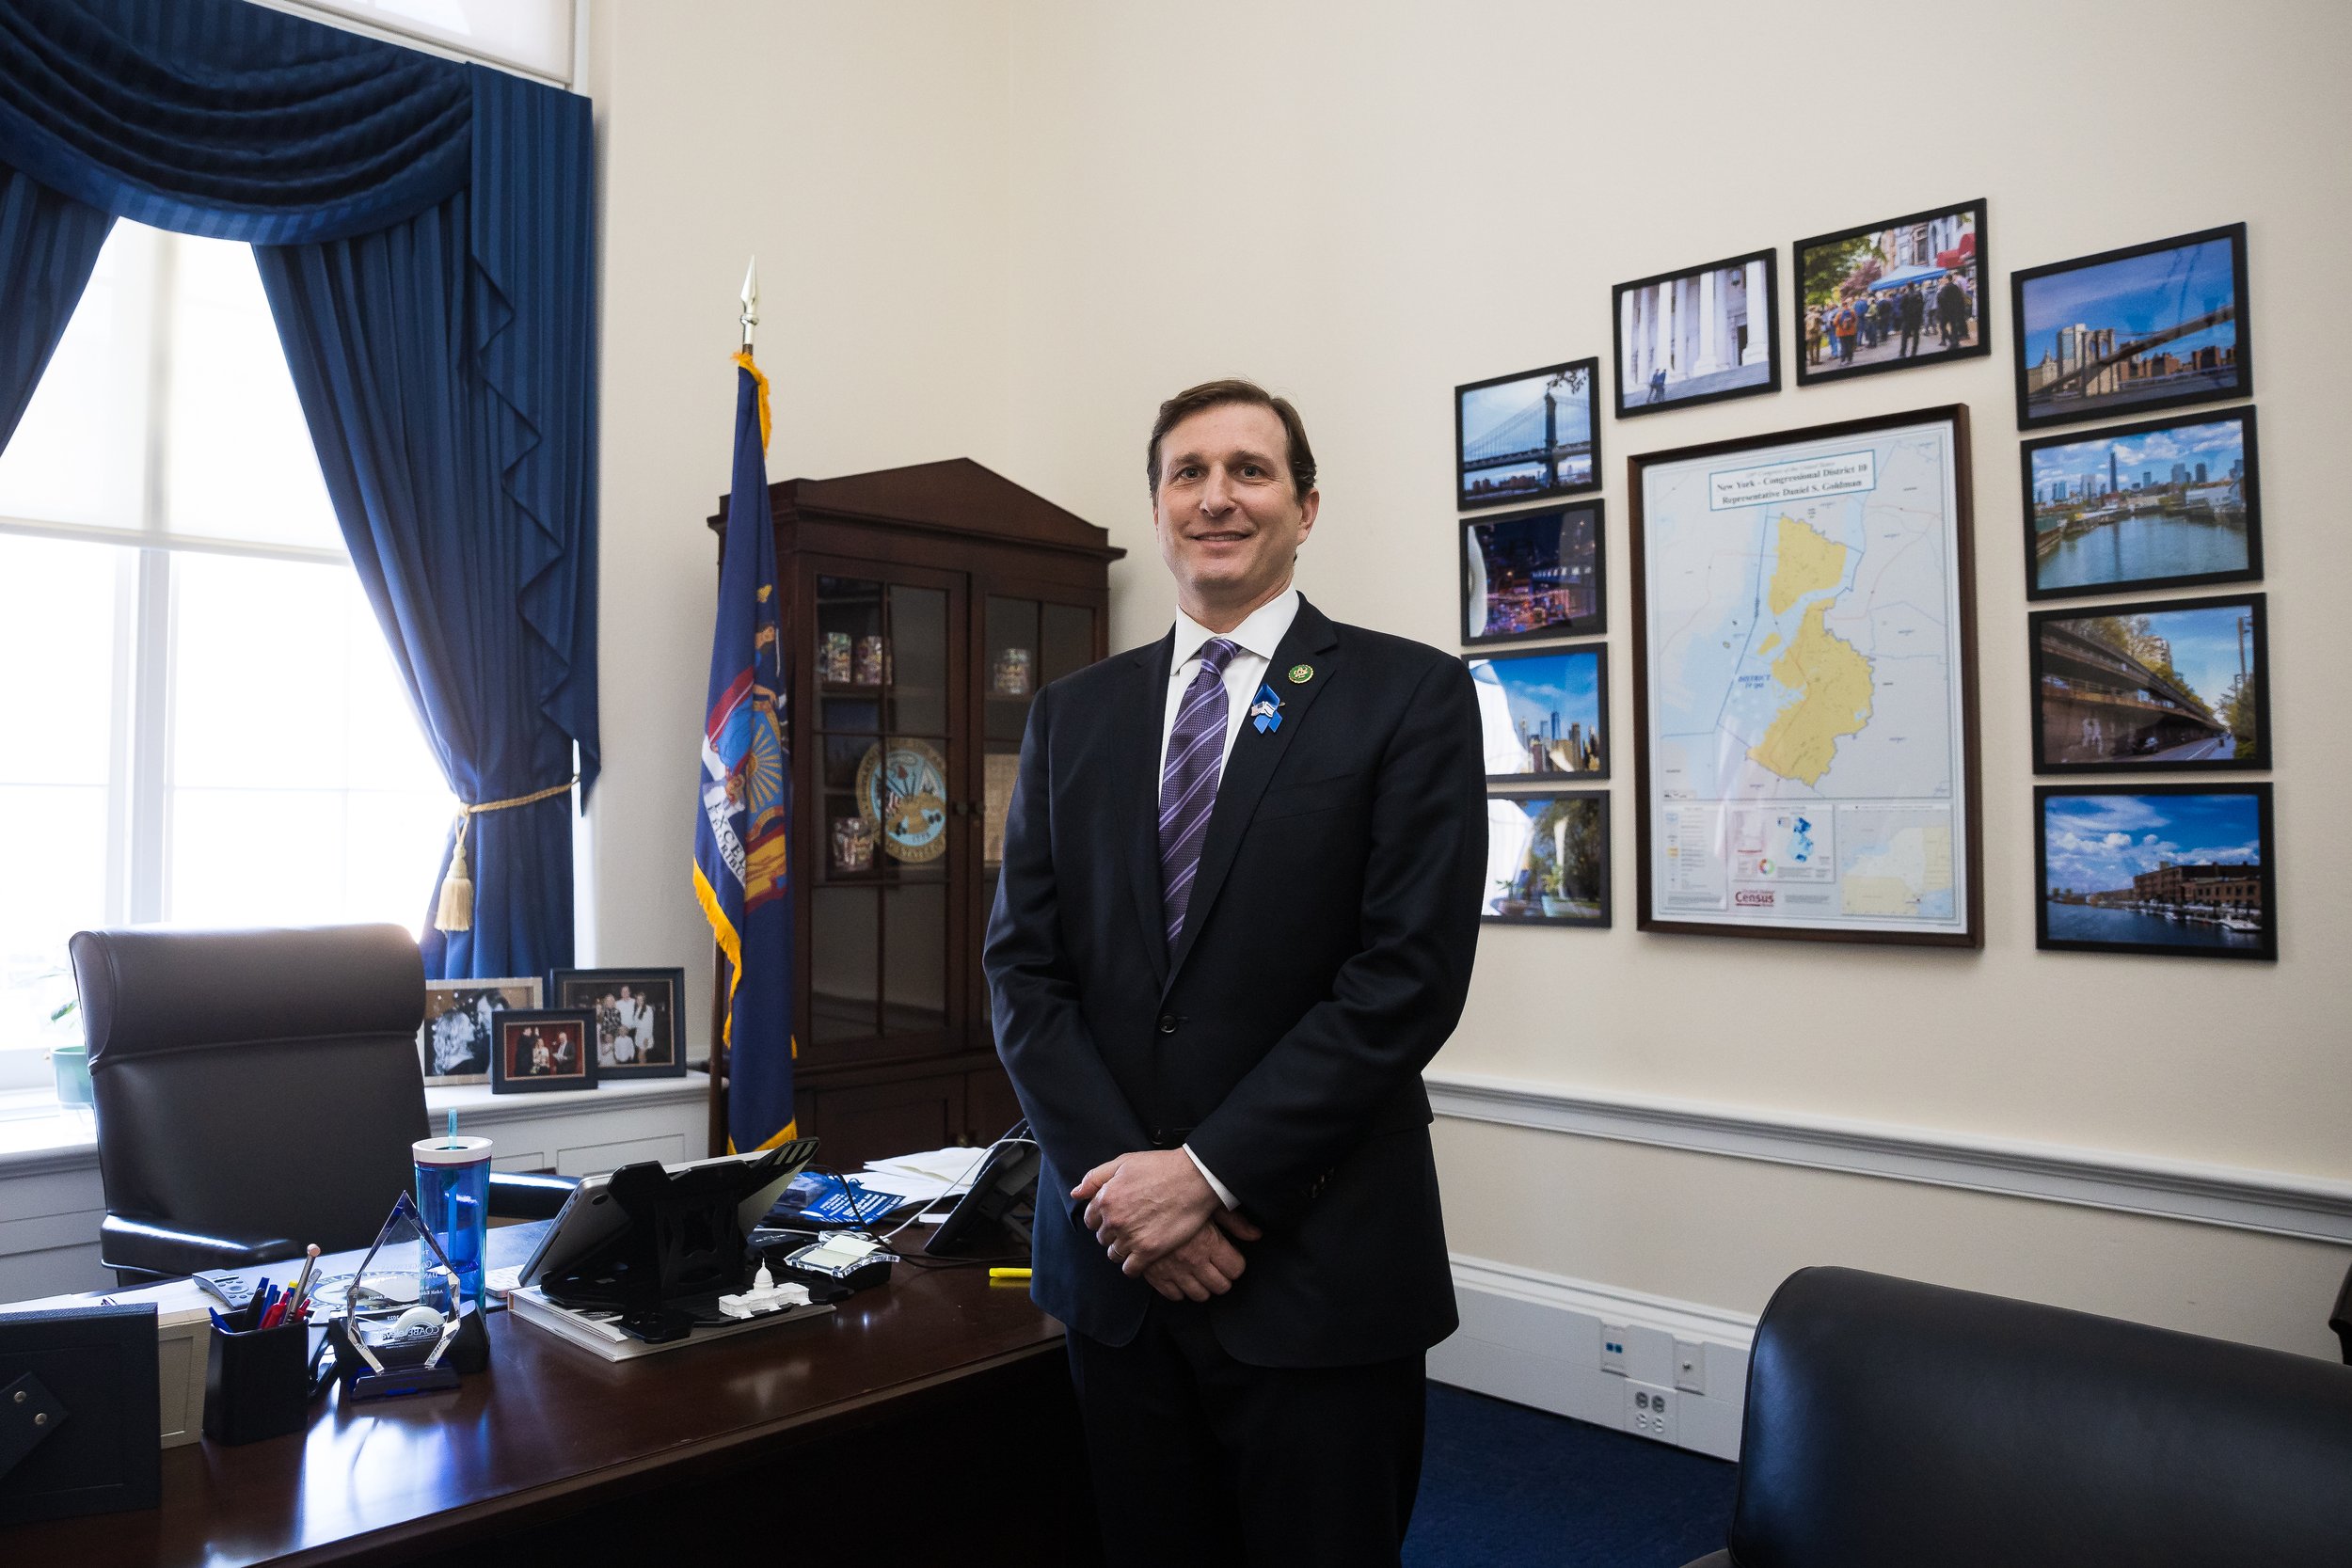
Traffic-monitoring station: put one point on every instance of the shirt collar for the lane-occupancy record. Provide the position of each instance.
(1260, 634)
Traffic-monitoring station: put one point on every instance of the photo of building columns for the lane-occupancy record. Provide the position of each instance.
(1702, 334)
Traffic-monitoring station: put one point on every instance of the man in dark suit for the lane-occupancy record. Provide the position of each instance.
(1239, 902)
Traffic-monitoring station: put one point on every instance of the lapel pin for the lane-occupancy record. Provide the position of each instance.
(1266, 712)
(1302, 673)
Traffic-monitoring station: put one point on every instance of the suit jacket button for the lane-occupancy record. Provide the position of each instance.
(1168, 1023)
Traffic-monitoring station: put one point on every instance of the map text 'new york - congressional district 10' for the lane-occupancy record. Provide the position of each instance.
(1805, 708)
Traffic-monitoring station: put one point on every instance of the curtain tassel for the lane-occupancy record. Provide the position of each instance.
(455, 910)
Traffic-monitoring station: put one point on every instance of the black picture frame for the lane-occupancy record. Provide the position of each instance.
(2249, 502)
(2071, 668)
(662, 991)
(1530, 906)
(1464, 498)
(1799, 254)
(2025, 320)
(2266, 948)
(1597, 743)
(1481, 537)
(93, 1371)
(515, 1026)
(457, 1049)
(1626, 378)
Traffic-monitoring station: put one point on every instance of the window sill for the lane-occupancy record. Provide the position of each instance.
(50, 1137)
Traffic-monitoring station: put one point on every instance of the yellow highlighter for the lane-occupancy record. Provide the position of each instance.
(1008, 1273)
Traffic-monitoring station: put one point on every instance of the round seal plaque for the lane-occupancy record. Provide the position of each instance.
(902, 784)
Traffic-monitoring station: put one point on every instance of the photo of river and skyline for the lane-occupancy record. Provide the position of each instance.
(2144, 506)
(2171, 869)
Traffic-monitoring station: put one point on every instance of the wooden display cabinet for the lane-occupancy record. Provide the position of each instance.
(923, 607)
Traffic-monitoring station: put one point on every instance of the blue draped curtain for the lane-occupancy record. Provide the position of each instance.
(423, 229)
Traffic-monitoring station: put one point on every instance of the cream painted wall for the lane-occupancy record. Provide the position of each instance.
(1009, 230)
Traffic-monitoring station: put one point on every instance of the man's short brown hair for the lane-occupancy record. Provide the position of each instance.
(1216, 394)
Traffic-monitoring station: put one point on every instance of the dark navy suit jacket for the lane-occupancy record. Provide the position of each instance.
(1325, 957)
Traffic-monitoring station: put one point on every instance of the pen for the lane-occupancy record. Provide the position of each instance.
(309, 1262)
(1008, 1273)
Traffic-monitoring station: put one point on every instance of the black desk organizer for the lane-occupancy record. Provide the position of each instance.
(684, 1246)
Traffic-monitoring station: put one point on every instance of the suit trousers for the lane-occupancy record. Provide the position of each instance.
(1198, 1458)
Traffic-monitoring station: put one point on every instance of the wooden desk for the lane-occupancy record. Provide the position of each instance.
(808, 1435)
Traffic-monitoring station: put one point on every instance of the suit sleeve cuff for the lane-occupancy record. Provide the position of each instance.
(1224, 1193)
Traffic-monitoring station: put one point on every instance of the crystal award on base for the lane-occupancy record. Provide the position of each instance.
(400, 1314)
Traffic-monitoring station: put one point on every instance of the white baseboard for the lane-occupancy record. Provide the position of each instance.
(2282, 1203)
(1536, 1339)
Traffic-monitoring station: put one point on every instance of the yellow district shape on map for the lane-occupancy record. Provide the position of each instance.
(1836, 680)
(1769, 645)
(1809, 564)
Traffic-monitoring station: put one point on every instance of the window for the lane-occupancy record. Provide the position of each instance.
(200, 722)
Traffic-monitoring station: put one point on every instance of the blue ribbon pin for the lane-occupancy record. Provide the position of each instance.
(1266, 712)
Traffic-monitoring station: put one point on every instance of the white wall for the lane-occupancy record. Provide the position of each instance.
(1010, 231)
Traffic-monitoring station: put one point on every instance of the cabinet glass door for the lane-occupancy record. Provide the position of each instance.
(884, 929)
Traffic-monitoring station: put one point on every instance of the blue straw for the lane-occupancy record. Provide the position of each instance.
(452, 1127)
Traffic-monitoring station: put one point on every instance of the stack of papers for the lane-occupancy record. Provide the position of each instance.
(926, 1177)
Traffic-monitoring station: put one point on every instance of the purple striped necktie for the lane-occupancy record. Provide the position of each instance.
(1195, 758)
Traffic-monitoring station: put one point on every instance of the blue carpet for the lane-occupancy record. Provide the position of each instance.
(1500, 1484)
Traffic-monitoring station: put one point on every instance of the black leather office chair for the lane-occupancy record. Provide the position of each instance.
(257, 1090)
(1894, 1422)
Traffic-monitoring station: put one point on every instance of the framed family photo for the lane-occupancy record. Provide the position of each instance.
(2173, 685)
(636, 1015)
(1535, 574)
(1697, 336)
(1542, 713)
(1523, 437)
(2180, 871)
(539, 1050)
(1892, 295)
(460, 1025)
(2170, 503)
(1547, 860)
(2149, 327)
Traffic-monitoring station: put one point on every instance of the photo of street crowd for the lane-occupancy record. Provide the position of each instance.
(1533, 574)
(2151, 326)
(2180, 870)
(1895, 294)
(2128, 687)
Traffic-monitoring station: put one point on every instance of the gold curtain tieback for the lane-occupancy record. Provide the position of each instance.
(455, 913)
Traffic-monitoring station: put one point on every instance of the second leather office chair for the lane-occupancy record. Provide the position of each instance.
(257, 1090)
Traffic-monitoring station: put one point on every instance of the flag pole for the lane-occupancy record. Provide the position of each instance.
(720, 980)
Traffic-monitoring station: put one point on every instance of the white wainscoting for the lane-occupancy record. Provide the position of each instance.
(51, 1199)
(1536, 1339)
(2283, 1203)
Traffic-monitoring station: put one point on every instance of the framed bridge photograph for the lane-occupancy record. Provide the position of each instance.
(1805, 684)
(2173, 685)
(1525, 435)
(2152, 326)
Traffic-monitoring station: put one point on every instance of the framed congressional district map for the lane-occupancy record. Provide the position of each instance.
(1805, 709)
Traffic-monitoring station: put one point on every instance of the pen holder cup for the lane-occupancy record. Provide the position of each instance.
(257, 1384)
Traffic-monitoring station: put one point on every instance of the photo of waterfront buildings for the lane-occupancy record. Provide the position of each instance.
(1526, 437)
(2173, 869)
(2152, 505)
(1532, 574)
(1543, 713)
(2156, 324)
(2150, 686)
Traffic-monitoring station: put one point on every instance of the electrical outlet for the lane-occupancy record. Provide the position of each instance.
(1649, 1411)
(1613, 1339)
(1690, 1366)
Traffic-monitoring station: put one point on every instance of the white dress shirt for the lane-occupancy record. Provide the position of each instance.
(1254, 641)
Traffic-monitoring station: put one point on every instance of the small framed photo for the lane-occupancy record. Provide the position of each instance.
(2170, 684)
(2177, 870)
(1892, 295)
(2149, 327)
(636, 1013)
(459, 1031)
(1535, 574)
(1523, 437)
(537, 1050)
(1542, 713)
(1547, 859)
(2171, 503)
(1698, 336)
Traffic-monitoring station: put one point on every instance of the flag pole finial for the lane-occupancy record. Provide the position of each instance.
(751, 303)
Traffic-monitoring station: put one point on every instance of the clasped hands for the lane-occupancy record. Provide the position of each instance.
(1156, 1217)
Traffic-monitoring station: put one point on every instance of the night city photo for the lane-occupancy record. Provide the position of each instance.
(1533, 574)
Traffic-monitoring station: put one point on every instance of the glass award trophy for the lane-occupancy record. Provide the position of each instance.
(400, 1314)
